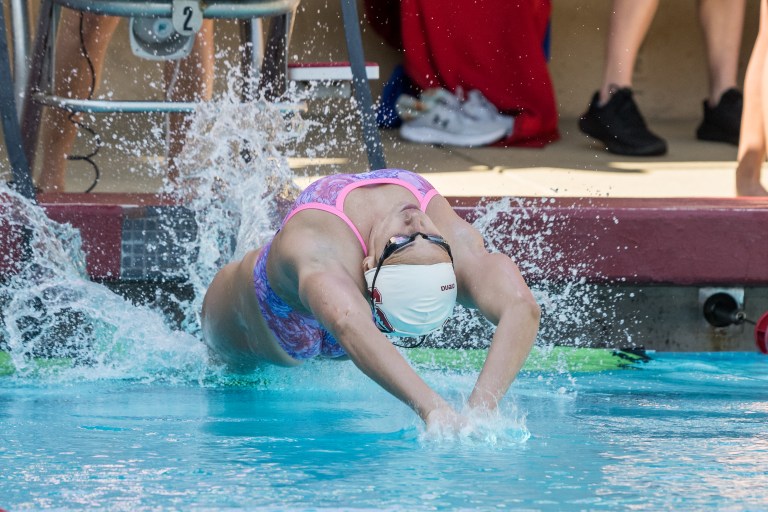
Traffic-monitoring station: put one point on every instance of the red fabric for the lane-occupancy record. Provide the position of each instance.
(494, 46)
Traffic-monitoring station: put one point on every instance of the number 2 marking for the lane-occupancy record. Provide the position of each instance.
(187, 18)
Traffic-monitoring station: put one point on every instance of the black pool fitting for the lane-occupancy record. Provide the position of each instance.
(722, 310)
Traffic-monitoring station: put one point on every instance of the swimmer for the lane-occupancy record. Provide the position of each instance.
(361, 257)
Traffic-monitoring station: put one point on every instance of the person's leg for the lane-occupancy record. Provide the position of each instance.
(234, 327)
(613, 116)
(73, 78)
(190, 79)
(722, 21)
(629, 24)
(752, 146)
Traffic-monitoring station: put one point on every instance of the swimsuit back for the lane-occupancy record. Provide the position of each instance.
(328, 193)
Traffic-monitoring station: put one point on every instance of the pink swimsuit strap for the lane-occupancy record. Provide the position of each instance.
(338, 208)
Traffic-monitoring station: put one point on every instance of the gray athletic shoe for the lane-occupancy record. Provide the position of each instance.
(478, 106)
(438, 119)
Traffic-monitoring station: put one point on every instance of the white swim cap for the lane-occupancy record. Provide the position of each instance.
(412, 300)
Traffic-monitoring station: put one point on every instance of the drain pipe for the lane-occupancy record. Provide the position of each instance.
(22, 177)
(722, 310)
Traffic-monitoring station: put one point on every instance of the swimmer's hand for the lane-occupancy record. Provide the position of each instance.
(444, 421)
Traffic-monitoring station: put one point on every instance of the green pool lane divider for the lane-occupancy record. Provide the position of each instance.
(46, 364)
(6, 366)
(541, 360)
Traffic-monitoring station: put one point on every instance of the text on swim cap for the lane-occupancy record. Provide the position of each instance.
(447, 287)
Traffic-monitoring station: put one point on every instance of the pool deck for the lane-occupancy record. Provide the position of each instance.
(570, 167)
(660, 230)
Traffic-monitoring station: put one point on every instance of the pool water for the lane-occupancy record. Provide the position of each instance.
(684, 431)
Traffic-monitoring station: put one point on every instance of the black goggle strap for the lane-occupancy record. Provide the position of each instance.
(389, 249)
(393, 246)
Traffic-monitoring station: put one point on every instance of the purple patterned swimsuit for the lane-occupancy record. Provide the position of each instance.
(300, 334)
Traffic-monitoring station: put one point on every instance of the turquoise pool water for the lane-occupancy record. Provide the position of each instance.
(683, 432)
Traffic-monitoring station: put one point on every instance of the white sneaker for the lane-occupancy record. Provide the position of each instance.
(478, 106)
(438, 118)
(409, 108)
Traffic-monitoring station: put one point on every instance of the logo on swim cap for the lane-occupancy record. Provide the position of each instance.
(412, 300)
(379, 316)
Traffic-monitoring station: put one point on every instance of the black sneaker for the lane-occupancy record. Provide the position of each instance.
(723, 122)
(620, 126)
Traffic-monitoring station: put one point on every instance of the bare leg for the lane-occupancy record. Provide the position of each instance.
(722, 21)
(753, 123)
(612, 116)
(629, 24)
(234, 327)
(188, 80)
(72, 79)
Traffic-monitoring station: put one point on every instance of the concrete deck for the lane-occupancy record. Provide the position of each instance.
(570, 167)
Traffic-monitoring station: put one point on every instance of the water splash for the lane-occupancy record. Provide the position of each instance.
(59, 324)
(572, 308)
(236, 181)
(497, 428)
(80, 329)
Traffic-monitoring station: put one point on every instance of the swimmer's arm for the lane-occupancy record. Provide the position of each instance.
(491, 283)
(500, 293)
(347, 316)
